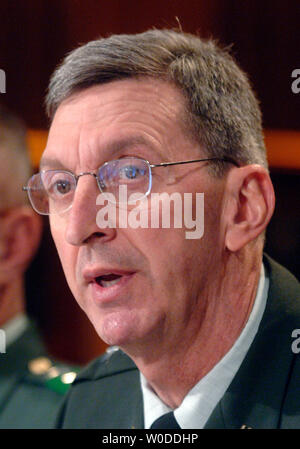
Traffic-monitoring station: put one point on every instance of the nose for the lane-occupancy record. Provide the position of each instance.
(81, 224)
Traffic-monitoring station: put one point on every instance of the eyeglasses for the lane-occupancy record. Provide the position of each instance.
(52, 191)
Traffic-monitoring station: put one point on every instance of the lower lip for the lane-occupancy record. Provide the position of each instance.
(105, 295)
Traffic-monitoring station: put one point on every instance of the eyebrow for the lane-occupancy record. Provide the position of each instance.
(123, 144)
(110, 149)
(51, 163)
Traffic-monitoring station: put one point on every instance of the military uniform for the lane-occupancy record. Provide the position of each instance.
(31, 385)
(265, 392)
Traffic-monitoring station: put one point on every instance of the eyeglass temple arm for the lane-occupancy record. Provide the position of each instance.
(225, 159)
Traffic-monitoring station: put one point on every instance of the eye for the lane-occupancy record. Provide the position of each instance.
(128, 171)
(131, 172)
(58, 184)
(62, 186)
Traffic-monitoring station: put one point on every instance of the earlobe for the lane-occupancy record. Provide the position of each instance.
(252, 195)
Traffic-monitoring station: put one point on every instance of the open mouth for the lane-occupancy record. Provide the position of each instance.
(107, 286)
(108, 280)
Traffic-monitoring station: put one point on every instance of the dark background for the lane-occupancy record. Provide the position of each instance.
(36, 34)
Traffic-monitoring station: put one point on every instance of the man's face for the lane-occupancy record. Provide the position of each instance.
(137, 286)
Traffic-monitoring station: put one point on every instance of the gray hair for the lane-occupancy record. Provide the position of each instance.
(15, 160)
(222, 110)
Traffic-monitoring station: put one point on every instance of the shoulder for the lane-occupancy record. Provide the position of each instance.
(52, 376)
(105, 394)
(112, 362)
(284, 289)
(281, 276)
(39, 388)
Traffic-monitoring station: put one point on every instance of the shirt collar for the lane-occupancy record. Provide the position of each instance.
(199, 403)
(15, 327)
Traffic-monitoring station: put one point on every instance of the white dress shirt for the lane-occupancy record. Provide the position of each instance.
(15, 327)
(201, 400)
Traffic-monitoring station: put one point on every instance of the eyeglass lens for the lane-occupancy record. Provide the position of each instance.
(52, 191)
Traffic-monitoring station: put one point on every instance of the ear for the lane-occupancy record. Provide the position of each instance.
(21, 230)
(249, 205)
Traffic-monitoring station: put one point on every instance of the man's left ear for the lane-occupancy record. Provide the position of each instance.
(249, 205)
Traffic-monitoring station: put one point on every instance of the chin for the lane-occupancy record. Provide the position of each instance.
(117, 329)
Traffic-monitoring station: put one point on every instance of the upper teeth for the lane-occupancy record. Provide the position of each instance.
(109, 283)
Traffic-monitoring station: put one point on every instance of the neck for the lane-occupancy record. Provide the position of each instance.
(11, 300)
(173, 371)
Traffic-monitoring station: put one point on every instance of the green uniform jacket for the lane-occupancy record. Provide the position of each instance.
(265, 392)
(28, 400)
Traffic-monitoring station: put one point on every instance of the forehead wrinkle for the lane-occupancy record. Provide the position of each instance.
(110, 150)
(103, 146)
(118, 145)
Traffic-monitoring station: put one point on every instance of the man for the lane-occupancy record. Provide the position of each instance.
(201, 327)
(31, 387)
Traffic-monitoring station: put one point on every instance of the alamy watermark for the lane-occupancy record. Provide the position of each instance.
(2, 342)
(2, 82)
(156, 210)
(295, 86)
(296, 343)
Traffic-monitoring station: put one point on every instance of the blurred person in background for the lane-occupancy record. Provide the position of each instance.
(31, 383)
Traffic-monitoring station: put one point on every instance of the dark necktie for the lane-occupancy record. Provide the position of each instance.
(166, 421)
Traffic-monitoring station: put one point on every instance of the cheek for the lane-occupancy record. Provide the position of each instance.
(170, 246)
(179, 265)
